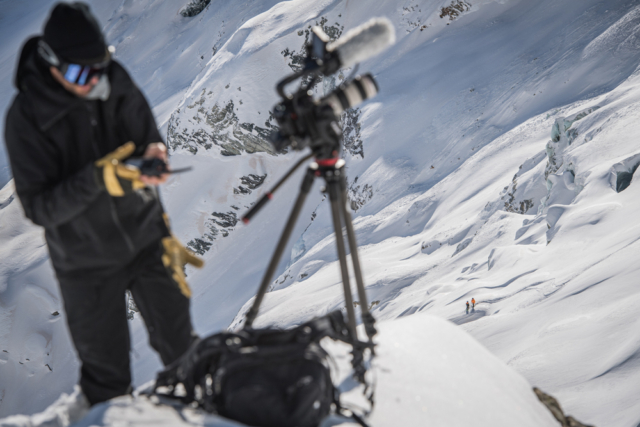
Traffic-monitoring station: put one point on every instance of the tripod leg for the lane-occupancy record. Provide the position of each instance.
(367, 318)
(282, 243)
(333, 186)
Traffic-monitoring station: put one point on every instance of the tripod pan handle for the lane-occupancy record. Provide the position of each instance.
(255, 208)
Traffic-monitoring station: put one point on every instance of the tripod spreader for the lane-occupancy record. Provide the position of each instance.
(264, 199)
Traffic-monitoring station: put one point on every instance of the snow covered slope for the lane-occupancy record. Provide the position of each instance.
(457, 385)
(18, 20)
(487, 167)
(33, 334)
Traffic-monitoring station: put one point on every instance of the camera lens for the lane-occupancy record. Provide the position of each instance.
(355, 92)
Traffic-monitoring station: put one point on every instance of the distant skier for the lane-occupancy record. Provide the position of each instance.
(467, 307)
(473, 303)
(66, 134)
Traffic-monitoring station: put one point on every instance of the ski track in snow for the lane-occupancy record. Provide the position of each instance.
(489, 168)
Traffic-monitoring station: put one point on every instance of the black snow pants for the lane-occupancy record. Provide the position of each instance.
(97, 317)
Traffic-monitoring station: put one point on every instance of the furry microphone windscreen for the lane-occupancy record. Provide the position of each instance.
(364, 41)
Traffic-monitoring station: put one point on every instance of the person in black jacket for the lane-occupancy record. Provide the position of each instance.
(77, 117)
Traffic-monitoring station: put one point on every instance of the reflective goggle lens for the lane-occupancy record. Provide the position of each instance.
(81, 74)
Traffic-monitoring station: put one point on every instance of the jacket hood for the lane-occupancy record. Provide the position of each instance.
(49, 100)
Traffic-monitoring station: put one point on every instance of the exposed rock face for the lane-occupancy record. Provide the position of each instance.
(224, 220)
(199, 245)
(202, 125)
(132, 308)
(223, 223)
(194, 8)
(251, 182)
(554, 407)
(517, 201)
(296, 58)
(221, 127)
(411, 18)
(352, 140)
(521, 208)
(454, 10)
(359, 195)
(218, 224)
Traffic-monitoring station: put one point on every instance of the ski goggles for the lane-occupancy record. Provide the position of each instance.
(78, 74)
(82, 74)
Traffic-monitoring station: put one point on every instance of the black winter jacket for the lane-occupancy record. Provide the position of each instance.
(53, 139)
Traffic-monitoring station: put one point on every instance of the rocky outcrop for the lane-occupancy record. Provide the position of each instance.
(132, 308)
(554, 407)
(358, 194)
(527, 188)
(352, 140)
(218, 224)
(221, 224)
(296, 57)
(218, 126)
(455, 9)
(250, 182)
(194, 8)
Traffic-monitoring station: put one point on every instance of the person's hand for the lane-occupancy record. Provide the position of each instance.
(118, 178)
(156, 150)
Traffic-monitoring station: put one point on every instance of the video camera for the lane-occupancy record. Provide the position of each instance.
(307, 122)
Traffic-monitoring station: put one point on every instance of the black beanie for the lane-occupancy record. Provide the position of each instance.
(74, 34)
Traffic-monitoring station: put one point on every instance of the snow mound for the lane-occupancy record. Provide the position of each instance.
(430, 372)
(427, 372)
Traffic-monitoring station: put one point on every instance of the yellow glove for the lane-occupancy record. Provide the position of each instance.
(116, 177)
(174, 258)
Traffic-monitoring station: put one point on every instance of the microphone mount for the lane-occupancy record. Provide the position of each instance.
(318, 61)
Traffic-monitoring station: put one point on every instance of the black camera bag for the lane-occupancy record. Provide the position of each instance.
(261, 377)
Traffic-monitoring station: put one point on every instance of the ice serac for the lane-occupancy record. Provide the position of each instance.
(622, 173)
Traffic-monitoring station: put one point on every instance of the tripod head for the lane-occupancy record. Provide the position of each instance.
(307, 122)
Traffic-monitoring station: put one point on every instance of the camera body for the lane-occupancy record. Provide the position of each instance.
(304, 121)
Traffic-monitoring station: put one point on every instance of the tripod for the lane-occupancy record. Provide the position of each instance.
(332, 171)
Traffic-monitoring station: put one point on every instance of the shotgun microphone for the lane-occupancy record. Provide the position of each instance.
(361, 43)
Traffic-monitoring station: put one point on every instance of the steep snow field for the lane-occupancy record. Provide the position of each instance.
(488, 166)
